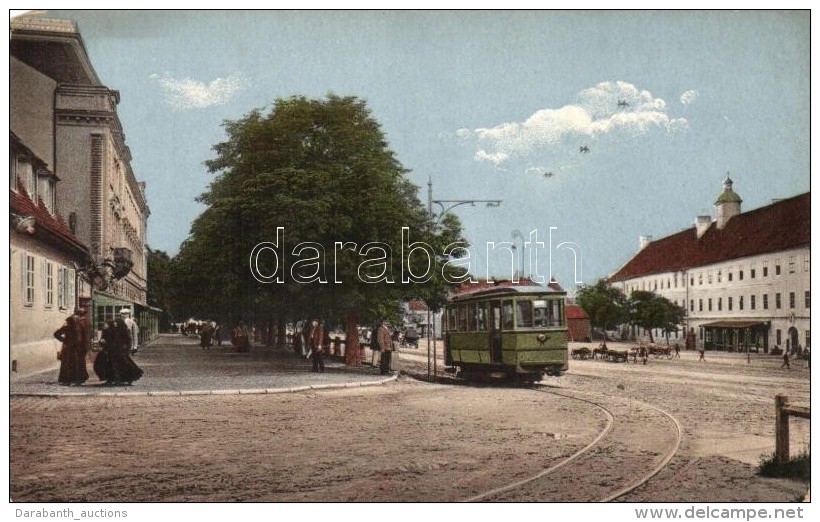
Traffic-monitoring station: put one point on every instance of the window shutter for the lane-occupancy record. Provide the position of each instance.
(60, 291)
(44, 281)
(71, 282)
(23, 268)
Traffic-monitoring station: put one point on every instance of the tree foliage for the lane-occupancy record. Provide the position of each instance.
(160, 282)
(605, 304)
(322, 170)
(649, 310)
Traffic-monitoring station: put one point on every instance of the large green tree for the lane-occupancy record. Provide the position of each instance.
(320, 169)
(604, 303)
(649, 310)
(160, 284)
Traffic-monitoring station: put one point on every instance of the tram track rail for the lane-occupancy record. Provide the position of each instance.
(534, 488)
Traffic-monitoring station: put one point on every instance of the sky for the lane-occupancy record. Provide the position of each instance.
(592, 127)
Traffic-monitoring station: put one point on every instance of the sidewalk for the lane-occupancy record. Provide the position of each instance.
(175, 365)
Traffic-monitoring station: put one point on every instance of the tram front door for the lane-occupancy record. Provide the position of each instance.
(495, 332)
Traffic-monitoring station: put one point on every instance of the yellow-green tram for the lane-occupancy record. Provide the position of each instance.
(517, 332)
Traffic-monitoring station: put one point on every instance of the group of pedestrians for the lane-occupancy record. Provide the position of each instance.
(113, 364)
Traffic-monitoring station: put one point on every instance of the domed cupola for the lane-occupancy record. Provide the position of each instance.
(728, 203)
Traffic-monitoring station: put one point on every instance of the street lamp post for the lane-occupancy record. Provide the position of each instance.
(520, 273)
(446, 206)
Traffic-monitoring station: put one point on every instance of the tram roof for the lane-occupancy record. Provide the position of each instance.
(505, 291)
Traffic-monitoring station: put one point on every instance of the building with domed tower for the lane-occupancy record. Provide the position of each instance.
(742, 277)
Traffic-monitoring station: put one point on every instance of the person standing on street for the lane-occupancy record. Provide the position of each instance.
(314, 339)
(218, 334)
(240, 338)
(74, 341)
(786, 360)
(133, 329)
(114, 365)
(702, 351)
(383, 336)
(206, 336)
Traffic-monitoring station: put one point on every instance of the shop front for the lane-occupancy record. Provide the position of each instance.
(107, 307)
(736, 336)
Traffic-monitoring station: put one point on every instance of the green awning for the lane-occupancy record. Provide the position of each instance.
(737, 324)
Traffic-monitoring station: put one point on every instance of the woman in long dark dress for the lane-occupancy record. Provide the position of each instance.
(117, 366)
(102, 363)
(72, 353)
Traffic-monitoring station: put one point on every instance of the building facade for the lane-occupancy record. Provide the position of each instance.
(43, 256)
(60, 107)
(742, 277)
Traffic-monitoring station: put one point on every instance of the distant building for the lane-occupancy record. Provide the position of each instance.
(64, 114)
(742, 277)
(579, 327)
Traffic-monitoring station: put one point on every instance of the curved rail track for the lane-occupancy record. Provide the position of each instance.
(614, 457)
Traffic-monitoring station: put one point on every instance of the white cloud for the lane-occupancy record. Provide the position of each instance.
(689, 97)
(496, 158)
(610, 109)
(187, 93)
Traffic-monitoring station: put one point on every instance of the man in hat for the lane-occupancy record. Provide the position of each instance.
(133, 329)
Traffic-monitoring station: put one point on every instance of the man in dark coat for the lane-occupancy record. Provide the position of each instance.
(386, 346)
(314, 339)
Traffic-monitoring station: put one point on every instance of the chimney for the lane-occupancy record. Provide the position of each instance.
(702, 224)
(643, 241)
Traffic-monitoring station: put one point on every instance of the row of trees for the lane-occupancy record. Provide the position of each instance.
(608, 308)
(322, 170)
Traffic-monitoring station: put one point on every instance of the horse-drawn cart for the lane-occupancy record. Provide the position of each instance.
(581, 353)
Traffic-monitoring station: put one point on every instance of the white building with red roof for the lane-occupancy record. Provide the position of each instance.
(742, 277)
(44, 254)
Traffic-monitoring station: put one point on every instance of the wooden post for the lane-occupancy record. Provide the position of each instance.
(781, 427)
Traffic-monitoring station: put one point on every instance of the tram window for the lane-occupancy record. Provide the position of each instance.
(462, 318)
(539, 313)
(495, 315)
(557, 315)
(480, 318)
(507, 315)
(471, 317)
(524, 316)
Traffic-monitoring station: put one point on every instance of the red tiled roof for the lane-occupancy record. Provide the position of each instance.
(574, 311)
(20, 202)
(775, 227)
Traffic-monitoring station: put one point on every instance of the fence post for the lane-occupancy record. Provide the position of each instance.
(781, 428)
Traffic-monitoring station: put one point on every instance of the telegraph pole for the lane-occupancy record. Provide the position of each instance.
(446, 206)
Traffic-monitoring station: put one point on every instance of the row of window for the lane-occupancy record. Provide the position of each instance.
(507, 314)
(730, 302)
(55, 284)
(712, 276)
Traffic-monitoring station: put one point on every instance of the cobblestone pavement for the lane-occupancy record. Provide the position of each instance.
(175, 364)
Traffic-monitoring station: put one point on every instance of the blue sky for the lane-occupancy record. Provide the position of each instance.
(490, 105)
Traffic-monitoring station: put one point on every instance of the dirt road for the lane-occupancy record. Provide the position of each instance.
(417, 441)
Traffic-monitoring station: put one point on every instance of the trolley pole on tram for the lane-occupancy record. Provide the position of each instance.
(446, 206)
